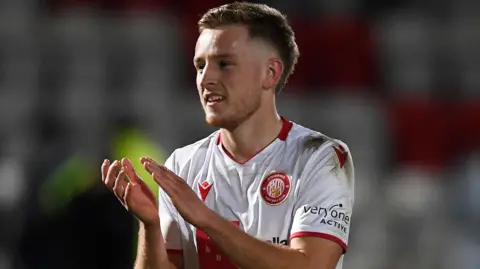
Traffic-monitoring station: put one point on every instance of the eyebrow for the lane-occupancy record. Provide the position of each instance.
(217, 56)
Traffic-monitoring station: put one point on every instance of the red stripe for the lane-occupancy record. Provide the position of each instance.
(175, 251)
(287, 126)
(321, 235)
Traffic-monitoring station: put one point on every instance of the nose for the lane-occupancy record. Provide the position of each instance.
(207, 77)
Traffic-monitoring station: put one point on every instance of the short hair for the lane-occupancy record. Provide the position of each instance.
(262, 22)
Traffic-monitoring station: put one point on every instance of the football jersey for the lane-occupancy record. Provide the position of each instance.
(301, 184)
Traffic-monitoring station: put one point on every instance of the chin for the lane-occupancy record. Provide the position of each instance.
(221, 121)
(216, 120)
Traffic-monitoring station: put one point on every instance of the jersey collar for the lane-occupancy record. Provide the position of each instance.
(282, 135)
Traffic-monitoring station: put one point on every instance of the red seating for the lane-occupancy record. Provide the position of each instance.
(419, 130)
(144, 5)
(193, 9)
(335, 53)
(465, 126)
(67, 4)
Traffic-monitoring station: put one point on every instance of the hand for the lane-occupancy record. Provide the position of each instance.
(134, 195)
(185, 200)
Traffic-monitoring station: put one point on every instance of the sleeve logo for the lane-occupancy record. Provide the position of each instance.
(341, 155)
(332, 216)
(275, 188)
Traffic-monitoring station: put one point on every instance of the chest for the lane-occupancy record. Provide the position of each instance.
(260, 198)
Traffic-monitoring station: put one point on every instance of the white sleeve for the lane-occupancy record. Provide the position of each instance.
(169, 215)
(326, 196)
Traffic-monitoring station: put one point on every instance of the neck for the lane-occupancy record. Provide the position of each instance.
(252, 136)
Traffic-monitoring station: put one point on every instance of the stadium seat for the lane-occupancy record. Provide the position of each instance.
(464, 53)
(303, 31)
(19, 89)
(59, 5)
(464, 127)
(148, 6)
(82, 96)
(419, 129)
(336, 53)
(406, 42)
(155, 76)
(194, 9)
(188, 39)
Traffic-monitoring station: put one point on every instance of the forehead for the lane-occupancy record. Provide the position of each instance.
(225, 40)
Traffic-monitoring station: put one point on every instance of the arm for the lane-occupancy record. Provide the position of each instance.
(320, 226)
(152, 253)
(304, 252)
(155, 237)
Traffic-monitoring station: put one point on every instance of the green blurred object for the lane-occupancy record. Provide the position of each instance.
(78, 173)
(132, 144)
(71, 178)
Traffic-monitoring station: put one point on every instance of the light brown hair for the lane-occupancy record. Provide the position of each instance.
(262, 22)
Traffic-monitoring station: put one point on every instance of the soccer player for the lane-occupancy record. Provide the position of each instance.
(262, 191)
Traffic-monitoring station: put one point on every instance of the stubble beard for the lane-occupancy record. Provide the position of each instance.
(231, 121)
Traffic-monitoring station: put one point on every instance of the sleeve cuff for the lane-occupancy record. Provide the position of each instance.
(322, 235)
(175, 251)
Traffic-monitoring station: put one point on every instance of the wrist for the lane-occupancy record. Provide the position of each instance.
(210, 221)
(150, 226)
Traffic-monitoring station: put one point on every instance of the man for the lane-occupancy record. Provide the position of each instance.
(261, 192)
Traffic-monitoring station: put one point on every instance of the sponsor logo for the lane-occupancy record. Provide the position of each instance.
(278, 241)
(275, 188)
(332, 216)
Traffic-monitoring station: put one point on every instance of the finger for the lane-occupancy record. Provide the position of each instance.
(166, 184)
(148, 159)
(112, 174)
(156, 168)
(149, 167)
(104, 169)
(128, 195)
(120, 185)
(130, 170)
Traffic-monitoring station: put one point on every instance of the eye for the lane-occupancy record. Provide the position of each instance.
(224, 64)
(199, 67)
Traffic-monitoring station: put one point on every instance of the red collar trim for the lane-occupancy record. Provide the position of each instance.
(286, 127)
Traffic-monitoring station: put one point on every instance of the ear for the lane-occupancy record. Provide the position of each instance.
(274, 73)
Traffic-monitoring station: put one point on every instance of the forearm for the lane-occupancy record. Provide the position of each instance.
(151, 252)
(250, 253)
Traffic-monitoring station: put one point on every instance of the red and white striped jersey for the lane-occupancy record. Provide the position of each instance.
(302, 184)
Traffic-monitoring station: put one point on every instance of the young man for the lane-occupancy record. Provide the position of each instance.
(261, 192)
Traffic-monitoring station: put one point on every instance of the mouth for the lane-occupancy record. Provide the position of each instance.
(213, 99)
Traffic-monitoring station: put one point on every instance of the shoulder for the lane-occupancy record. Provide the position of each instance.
(317, 149)
(324, 162)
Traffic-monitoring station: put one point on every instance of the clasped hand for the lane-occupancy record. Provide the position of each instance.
(120, 178)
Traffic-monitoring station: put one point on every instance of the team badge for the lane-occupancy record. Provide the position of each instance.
(275, 188)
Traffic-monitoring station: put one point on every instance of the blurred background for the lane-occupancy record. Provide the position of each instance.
(85, 80)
